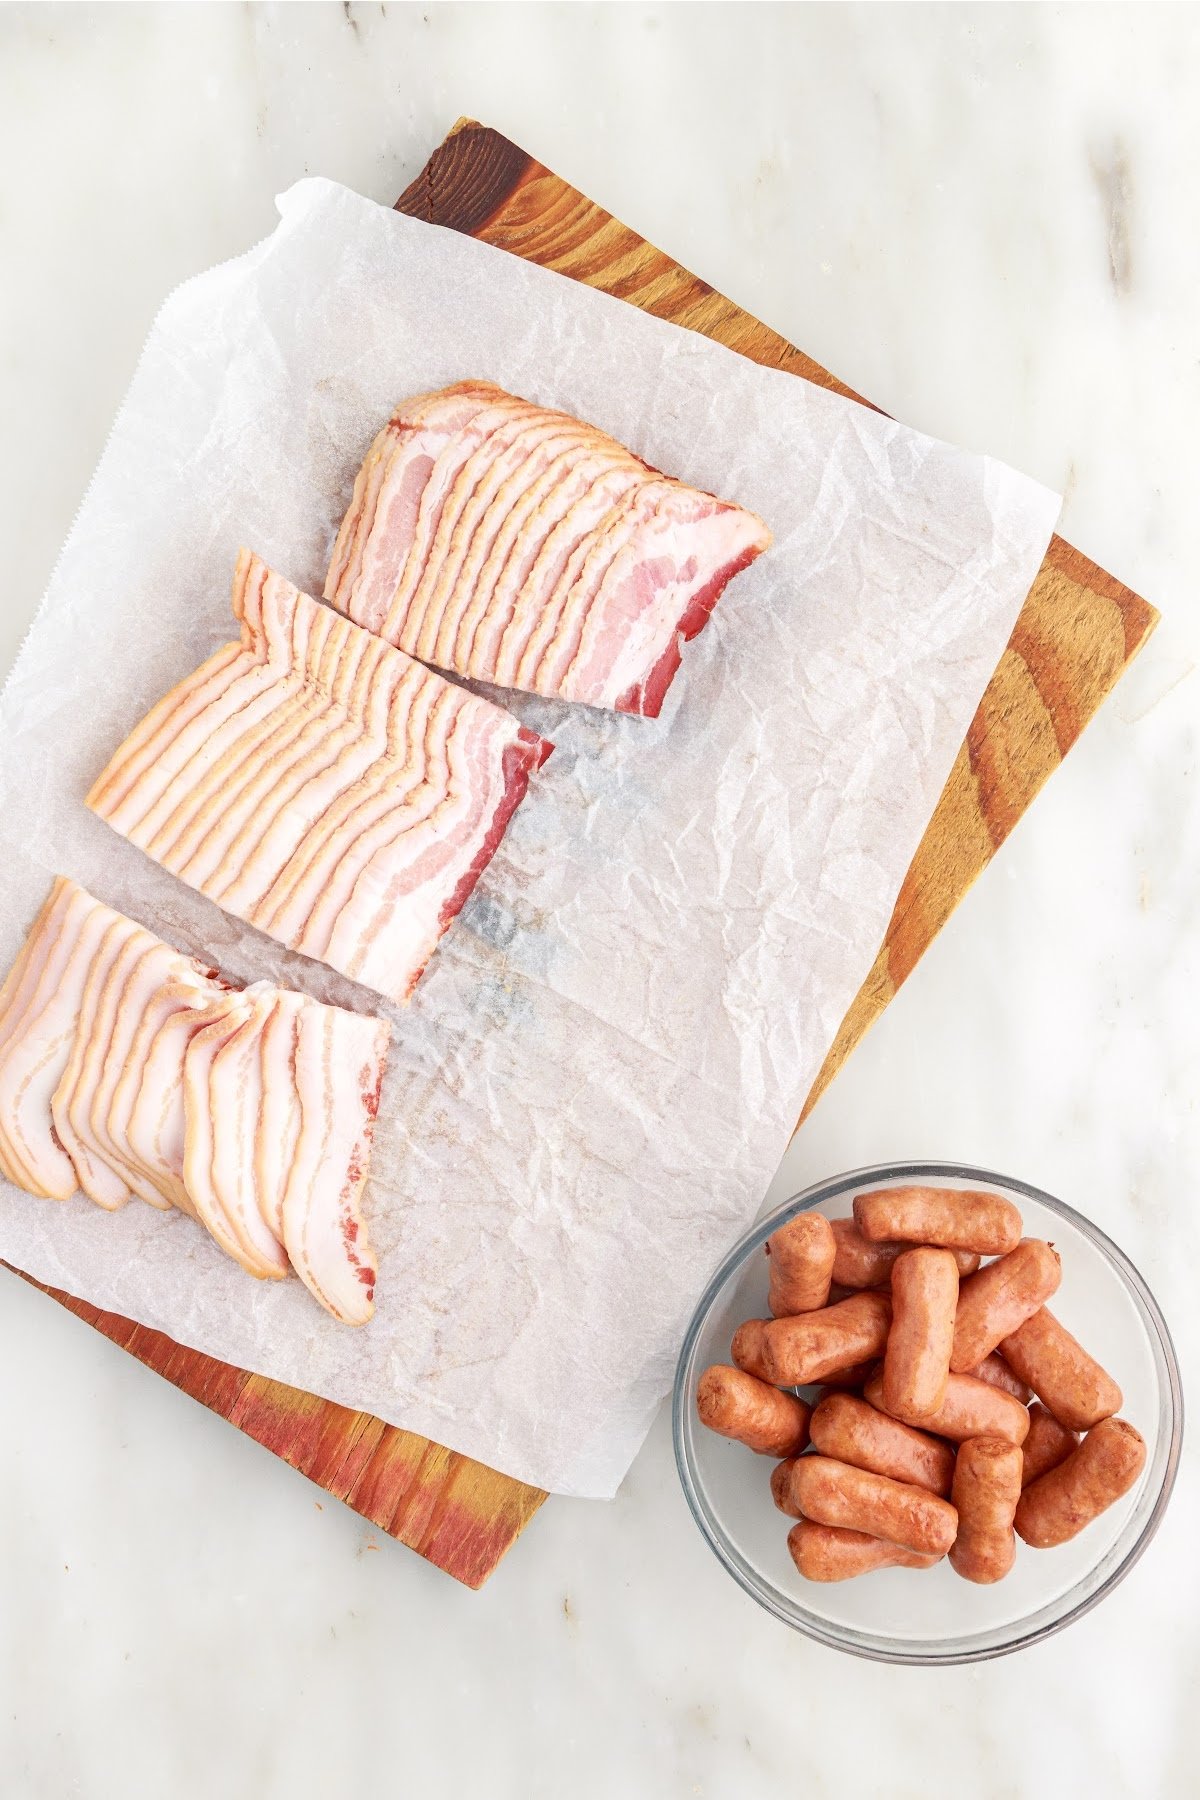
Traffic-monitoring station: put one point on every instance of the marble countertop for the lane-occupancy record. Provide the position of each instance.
(982, 219)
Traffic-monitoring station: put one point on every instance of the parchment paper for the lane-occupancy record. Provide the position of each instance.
(598, 1074)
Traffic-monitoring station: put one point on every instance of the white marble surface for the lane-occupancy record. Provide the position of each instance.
(985, 220)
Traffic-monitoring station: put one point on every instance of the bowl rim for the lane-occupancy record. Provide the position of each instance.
(895, 1650)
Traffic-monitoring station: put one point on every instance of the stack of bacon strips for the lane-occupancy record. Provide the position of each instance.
(317, 782)
(921, 1440)
(126, 1068)
(520, 547)
(321, 785)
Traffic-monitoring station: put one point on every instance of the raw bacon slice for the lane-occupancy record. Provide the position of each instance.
(279, 1113)
(98, 1169)
(128, 1068)
(200, 1132)
(505, 465)
(222, 1085)
(39, 1006)
(235, 1096)
(570, 590)
(506, 546)
(514, 637)
(317, 782)
(146, 964)
(337, 1069)
(147, 1113)
(472, 519)
(673, 563)
(393, 518)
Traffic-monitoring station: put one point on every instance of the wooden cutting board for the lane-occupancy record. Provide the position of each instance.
(1077, 632)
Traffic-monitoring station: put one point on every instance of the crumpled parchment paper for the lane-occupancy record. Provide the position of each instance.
(601, 1068)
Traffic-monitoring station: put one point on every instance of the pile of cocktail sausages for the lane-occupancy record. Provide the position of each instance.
(924, 1441)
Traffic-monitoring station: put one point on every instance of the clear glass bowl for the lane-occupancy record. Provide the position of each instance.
(934, 1617)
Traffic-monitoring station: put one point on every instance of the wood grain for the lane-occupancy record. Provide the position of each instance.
(1076, 634)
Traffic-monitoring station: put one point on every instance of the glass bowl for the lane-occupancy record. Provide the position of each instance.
(932, 1616)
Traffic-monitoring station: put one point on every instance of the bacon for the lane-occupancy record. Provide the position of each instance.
(319, 783)
(518, 546)
(39, 1007)
(126, 1068)
(337, 1063)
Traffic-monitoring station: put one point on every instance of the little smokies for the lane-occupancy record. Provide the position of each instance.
(851, 1430)
(802, 1256)
(924, 1320)
(983, 1224)
(1058, 1506)
(831, 1553)
(994, 1303)
(987, 1487)
(761, 1417)
(916, 1361)
(1061, 1373)
(859, 1263)
(836, 1493)
(970, 1409)
(813, 1345)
